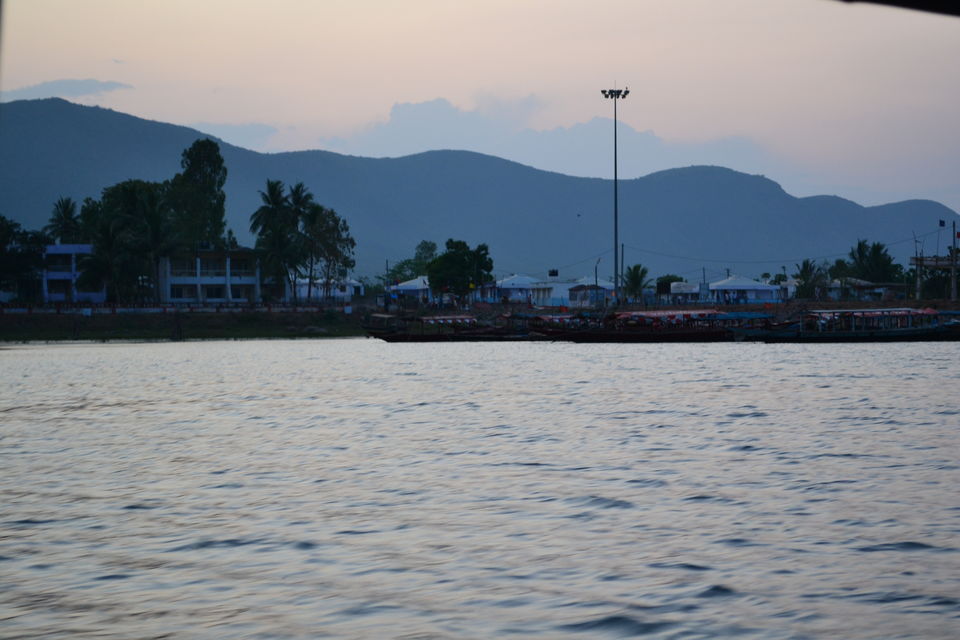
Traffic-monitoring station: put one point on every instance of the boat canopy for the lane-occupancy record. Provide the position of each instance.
(671, 314)
(447, 319)
(864, 313)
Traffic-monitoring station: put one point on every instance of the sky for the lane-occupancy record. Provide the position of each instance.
(824, 97)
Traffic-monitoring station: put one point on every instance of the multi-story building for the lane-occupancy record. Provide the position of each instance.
(61, 271)
(211, 277)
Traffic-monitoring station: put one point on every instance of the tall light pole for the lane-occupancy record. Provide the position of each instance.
(615, 95)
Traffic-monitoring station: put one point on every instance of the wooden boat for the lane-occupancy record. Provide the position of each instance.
(701, 325)
(864, 325)
(441, 328)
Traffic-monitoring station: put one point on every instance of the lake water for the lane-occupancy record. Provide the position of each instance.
(359, 489)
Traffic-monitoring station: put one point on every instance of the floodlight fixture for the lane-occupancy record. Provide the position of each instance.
(615, 94)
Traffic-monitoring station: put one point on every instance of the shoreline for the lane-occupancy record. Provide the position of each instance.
(47, 326)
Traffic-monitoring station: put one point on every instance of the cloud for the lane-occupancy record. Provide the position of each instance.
(585, 149)
(423, 126)
(66, 88)
(254, 136)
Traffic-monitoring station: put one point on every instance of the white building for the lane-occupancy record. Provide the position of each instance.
(211, 277)
(556, 293)
(516, 288)
(684, 292)
(417, 289)
(60, 273)
(739, 290)
(342, 292)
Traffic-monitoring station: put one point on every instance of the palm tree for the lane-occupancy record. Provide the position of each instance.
(153, 231)
(635, 280)
(64, 225)
(113, 263)
(873, 263)
(317, 225)
(279, 240)
(811, 278)
(273, 211)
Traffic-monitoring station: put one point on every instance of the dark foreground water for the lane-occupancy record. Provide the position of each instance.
(357, 489)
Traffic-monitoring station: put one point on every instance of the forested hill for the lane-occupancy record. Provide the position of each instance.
(677, 221)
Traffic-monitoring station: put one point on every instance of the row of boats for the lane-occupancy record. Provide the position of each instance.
(701, 325)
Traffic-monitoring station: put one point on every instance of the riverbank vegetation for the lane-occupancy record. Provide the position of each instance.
(136, 223)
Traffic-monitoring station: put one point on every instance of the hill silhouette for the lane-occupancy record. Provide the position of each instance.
(676, 221)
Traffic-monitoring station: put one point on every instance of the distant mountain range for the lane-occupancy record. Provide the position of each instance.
(681, 221)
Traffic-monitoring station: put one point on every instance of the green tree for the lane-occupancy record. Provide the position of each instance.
(196, 195)
(413, 267)
(635, 280)
(460, 269)
(131, 229)
(153, 231)
(841, 271)
(296, 236)
(21, 260)
(113, 264)
(304, 219)
(334, 248)
(664, 282)
(64, 224)
(873, 263)
(89, 218)
(278, 237)
(273, 213)
(811, 279)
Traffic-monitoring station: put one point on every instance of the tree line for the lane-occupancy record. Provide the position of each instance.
(867, 262)
(136, 223)
(458, 270)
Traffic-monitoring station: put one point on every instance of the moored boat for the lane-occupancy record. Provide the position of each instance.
(441, 328)
(863, 325)
(701, 325)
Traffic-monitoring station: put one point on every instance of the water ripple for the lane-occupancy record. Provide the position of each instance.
(355, 489)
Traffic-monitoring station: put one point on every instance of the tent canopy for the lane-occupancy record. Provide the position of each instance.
(517, 281)
(420, 283)
(738, 283)
(588, 280)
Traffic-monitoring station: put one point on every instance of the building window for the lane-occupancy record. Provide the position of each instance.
(58, 287)
(59, 262)
(213, 267)
(183, 267)
(213, 292)
(241, 267)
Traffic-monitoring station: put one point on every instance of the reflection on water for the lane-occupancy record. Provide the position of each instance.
(358, 489)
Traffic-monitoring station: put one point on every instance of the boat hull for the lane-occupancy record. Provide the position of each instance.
(931, 334)
(645, 336)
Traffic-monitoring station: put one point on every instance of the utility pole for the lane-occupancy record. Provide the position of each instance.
(953, 265)
(623, 254)
(916, 259)
(596, 282)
